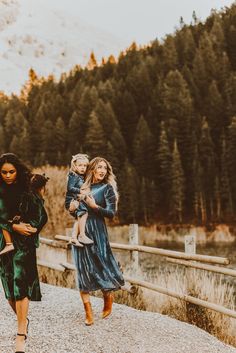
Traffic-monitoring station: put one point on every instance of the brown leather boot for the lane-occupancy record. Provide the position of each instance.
(89, 314)
(108, 300)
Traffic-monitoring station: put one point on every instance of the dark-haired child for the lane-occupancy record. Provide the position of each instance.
(37, 184)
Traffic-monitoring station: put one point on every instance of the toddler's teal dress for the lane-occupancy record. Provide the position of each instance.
(18, 268)
(96, 265)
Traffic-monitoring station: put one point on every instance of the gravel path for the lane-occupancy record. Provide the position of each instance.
(57, 326)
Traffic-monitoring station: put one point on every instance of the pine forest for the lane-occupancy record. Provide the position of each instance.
(164, 115)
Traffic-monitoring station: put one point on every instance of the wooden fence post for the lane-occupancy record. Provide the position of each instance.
(69, 251)
(190, 244)
(190, 248)
(134, 255)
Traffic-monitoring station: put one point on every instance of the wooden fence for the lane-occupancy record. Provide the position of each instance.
(189, 259)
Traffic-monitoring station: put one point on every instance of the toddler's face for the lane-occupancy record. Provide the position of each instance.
(81, 167)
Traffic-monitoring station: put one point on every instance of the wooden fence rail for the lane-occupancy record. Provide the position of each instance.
(216, 269)
(189, 259)
(187, 298)
(162, 252)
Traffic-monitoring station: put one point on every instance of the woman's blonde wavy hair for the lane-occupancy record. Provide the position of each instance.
(108, 179)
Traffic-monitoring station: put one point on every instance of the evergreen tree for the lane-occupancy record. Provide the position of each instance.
(177, 187)
(24, 148)
(60, 141)
(231, 45)
(209, 56)
(224, 71)
(199, 201)
(106, 117)
(14, 145)
(164, 159)
(143, 149)
(86, 104)
(178, 109)
(188, 77)
(186, 46)
(200, 74)
(126, 111)
(95, 141)
(47, 146)
(144, 205)
(2, 140)
(33, 80)
(217, 37)
(139, 84)
(129, 189)
(208, 163)
(215, 112)
(106, 91)
(35, 131)
(232, 160)
(112, 158)
(74, 142)
(119, 147)
(230, 97)
(225, 192)
(170, 56)
(92, 63)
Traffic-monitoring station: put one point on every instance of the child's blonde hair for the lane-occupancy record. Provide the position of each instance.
(78, 157)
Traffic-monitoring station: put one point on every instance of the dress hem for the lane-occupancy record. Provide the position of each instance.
(21, 298)
(100, 288)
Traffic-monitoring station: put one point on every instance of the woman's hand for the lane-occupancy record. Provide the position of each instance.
(24, 229)
(91, 202)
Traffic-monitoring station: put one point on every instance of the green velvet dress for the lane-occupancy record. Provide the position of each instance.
(18, 268)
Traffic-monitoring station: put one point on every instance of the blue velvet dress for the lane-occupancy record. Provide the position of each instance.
(95, 263)
(74, 183)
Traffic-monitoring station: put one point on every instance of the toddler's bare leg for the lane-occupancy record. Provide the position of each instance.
(75, 232)
(9, 245)
(82, 236)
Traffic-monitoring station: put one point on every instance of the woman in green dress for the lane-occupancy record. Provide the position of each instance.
(95, 263)
(18, 268)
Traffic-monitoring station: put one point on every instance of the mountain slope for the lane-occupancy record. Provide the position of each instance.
(43, 35)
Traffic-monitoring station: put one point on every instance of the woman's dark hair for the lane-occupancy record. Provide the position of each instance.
(38, 181)
(23, 173)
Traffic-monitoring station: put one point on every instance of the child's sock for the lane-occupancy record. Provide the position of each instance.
(84, 239)
(75, 241)
(8, 247)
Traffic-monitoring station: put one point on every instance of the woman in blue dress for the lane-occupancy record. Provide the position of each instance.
(96, 266)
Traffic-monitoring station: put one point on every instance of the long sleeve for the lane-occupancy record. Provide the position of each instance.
(33, 212)
(40, 217)
(4, 224)
(109, 210)
(72, 184)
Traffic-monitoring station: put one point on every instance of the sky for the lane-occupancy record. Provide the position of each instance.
(141, 20)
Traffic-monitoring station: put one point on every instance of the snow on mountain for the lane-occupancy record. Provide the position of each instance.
(41, 34)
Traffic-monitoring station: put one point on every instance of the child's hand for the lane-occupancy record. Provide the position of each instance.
(81, 197)
(73, 205)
